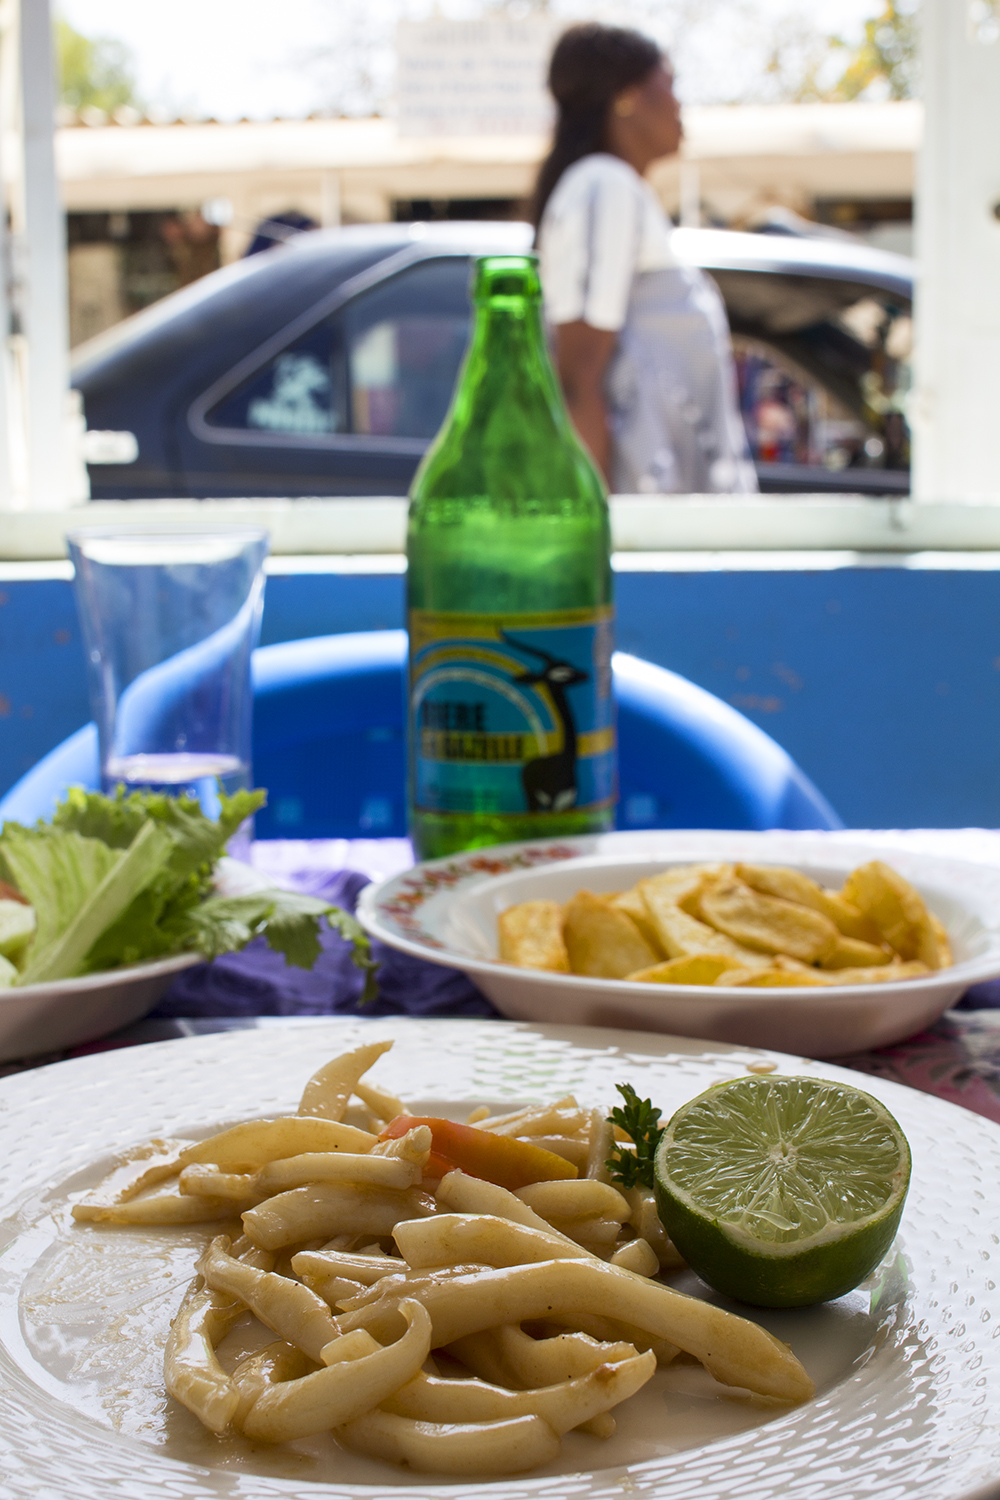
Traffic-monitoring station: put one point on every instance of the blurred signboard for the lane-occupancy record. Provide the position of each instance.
(474, 77)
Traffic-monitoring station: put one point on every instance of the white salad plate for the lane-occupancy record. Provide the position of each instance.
(48, 1017)
(446, 911)
(906, 1367)
(38, 1018)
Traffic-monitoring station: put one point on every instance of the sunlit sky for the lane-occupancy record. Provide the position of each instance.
(272, 58)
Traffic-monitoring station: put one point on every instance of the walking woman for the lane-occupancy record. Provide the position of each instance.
(642, 343)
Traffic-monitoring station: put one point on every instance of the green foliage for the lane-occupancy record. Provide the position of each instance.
(885, 62)
(94, 72)
(641, 1123)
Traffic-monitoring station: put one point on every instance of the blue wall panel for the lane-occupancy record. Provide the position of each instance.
(883, 683)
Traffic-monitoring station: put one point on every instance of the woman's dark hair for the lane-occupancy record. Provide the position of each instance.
(590, 66)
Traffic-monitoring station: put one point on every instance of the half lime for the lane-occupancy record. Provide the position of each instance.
(781, 1191)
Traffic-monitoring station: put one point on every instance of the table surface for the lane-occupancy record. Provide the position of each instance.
(958, 1059)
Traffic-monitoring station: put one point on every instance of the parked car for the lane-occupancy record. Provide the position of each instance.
(324, 366)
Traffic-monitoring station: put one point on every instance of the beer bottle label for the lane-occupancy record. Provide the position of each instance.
(511, 713)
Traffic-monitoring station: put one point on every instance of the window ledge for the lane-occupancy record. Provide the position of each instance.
(641, 525)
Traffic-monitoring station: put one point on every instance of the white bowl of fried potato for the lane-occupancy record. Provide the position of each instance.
(810, 943)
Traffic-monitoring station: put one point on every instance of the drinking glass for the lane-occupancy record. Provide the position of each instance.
(169, 619)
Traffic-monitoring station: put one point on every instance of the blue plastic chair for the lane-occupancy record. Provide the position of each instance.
(329, 744)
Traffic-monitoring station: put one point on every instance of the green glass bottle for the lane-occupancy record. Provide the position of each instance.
(511, 730)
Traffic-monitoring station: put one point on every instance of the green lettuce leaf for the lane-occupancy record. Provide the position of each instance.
(129, 871)
(55, 872)
(128, 878)
(149, 925)
(288, 920)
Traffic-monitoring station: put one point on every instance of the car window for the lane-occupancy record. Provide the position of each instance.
(383, 365)
(404, 343)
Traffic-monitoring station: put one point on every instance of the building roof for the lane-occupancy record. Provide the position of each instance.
(113, 150)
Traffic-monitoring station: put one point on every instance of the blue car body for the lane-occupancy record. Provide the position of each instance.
(276, 376)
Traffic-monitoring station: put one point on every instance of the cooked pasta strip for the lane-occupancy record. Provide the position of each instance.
(367, 1269)
(602, 1426)
(734, 1350)
(509, 1356)
(383, 1106)
(449, 1239)
(357, 1377)
(159, 1208)
(256, 1374)
(156, 1172)
(413, 1146)
(638, 1256)
(564, 1405)
(572, 1148)
(206, 1181)
(287, 1307)
(563, 1118)
(337, 1291)
(613, 1330)
(582, 1198)
(316, 1212)
(409, 1283)
(250, 1146)
(645, 1220)
(329, 1090)
(600, 1140)
(470, 1195)
(337, 1166)
(526, 1112)
(191, 1371)
(599, 1236)
(482, 1449)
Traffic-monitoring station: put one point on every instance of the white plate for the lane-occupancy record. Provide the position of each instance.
(446, 911)
(907, 1367)
(48, 1017)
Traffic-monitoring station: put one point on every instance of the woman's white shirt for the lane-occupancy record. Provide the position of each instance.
(602, 225)
(607, 260)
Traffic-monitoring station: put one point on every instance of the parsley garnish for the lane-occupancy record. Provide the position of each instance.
(641, 1122)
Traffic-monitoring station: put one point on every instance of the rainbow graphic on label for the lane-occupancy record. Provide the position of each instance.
(512, 713)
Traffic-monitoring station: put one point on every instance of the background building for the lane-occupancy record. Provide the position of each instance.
(151, 207)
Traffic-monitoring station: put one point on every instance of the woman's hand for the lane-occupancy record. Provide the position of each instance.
(582, 357)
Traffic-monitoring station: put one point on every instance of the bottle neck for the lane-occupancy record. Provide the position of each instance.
(509, 350)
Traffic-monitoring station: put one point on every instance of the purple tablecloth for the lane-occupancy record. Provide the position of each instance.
(258, 982)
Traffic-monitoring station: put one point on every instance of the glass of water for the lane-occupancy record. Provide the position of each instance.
(169, 619)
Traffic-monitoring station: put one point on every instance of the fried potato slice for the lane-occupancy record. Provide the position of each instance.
(897, 910)
(852, 953)
(768, 923)
(787, 974)
(792, 885)
(778, 979)
(699, 968)
(681, 883)
(883, 974)
(531, 936)
(684, 936)
(603, 941)
(632, 904)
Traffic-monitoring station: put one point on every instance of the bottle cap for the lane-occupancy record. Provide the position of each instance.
(506, 276)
